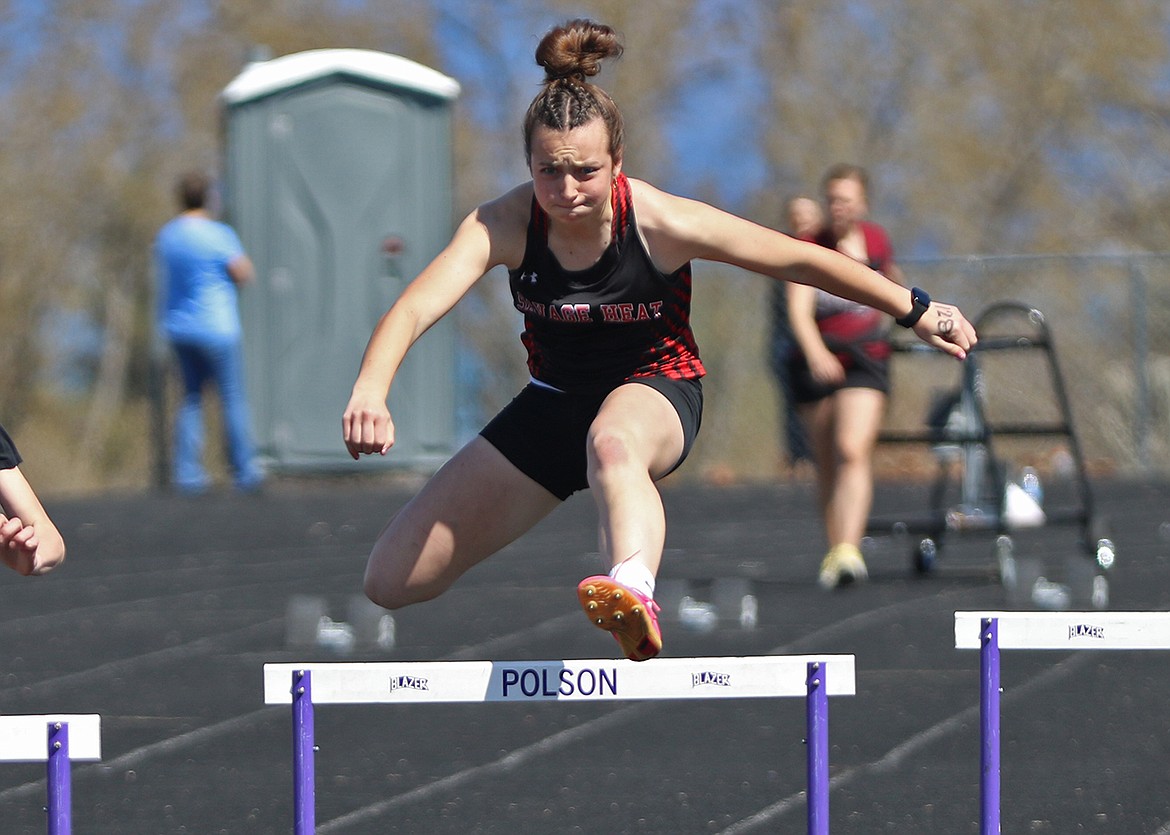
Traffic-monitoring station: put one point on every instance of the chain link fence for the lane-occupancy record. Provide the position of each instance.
(1109, 322)
(1108, 317)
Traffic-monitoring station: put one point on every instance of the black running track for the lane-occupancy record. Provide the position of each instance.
(167, 609)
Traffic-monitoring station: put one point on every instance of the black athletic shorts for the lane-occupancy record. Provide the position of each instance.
(9, 457)
(543, 431)
(861, 372)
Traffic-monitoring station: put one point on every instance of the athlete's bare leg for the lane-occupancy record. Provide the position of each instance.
(635, 439)
(477, 503)
(844, 428)
(858, 420)
(818, 418)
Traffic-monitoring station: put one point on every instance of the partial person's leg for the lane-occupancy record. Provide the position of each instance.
(818, 417)
(857, 416)
(188, 472)
(228, 365)
(636, 438)
(800, 452)
(477, 503)
(858, 420)
(797, 446)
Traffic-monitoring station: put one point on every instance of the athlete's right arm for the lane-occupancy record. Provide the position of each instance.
(822, 364)
(486, 238)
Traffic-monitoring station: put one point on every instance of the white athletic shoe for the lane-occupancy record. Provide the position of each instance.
(841, 566)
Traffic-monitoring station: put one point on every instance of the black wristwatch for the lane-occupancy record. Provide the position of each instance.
(920, 302)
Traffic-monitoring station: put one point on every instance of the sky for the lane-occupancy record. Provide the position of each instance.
(720, 95)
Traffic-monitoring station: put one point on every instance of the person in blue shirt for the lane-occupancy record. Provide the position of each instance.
(201, 264)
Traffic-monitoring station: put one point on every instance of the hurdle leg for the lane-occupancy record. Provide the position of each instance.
(60, 791)
(304, 781)
(817, 711)
(989, 726)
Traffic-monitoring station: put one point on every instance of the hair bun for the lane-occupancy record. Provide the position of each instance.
(576, 49)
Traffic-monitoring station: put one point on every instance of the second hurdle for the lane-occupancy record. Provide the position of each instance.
(814, 677)
(989, 632)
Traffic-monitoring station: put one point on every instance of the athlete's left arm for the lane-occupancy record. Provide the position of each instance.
(678, 230)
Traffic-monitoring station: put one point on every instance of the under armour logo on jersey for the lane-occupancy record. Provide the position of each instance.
(528, 278)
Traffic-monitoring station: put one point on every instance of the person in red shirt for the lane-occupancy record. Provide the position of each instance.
(840, 374)
(599, 266)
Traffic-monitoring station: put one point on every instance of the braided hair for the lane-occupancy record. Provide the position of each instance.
(570, 55)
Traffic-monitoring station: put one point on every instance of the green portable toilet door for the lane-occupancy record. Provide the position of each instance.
(340, 164)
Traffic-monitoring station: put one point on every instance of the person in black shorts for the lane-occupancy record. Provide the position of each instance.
(599, 266)
(805, 219)
(29, 541)
(840, 375)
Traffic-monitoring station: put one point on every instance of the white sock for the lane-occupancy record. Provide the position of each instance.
(634, 575)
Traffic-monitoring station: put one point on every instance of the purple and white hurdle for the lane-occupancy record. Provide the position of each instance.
(58, 740)
(990, 632)
(813, 677)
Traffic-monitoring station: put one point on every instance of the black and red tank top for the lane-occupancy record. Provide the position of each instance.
(848, 326)
(616, 320)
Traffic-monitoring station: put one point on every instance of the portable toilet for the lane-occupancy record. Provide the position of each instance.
(338, 177)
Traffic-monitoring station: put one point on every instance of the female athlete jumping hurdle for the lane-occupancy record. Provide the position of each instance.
(600, 266)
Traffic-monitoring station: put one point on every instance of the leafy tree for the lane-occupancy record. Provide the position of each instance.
(986, 132)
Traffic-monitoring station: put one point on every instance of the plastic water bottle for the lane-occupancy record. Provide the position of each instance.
(1030, 481)
(387, 635)
(697, 615)
(1048, 595)
(335, 636)
(749, 612)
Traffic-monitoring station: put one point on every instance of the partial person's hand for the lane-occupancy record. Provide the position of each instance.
(18, 547)
(826, 369)
(366, 426)
(944, 326)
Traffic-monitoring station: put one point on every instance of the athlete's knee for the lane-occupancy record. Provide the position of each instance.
(381, 592)
(391, 592)
(400, 570)
(608, 450)
(853, 452)
(381, 587)
(387, 595)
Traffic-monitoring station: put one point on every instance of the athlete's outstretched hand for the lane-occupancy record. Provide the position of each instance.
(944, 326)
(366, 425)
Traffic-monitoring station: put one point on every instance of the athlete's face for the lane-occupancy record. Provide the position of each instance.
(847, 203)
(573, 172)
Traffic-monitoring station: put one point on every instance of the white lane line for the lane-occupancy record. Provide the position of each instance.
(494, 647)
(893, 758)
(509, 762)
(169, 745)
(38, 622)
(122, 666)
(138, 755)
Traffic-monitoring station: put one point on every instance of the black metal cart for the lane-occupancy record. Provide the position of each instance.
(983, 498)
